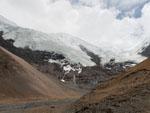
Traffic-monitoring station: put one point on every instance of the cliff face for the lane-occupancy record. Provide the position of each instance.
(146, 52)
(127, 93)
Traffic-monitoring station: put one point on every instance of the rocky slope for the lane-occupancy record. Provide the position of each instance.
(129, 92)
(146, 51)
(19, 81)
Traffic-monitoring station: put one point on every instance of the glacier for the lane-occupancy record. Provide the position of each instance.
(65, 44)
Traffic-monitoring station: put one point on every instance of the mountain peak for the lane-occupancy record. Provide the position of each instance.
(4, 20)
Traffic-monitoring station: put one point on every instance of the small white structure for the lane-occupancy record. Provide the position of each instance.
(62, 80)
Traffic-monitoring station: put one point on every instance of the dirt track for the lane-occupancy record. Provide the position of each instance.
(24, 107)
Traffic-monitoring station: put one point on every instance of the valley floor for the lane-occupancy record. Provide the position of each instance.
(46, 106)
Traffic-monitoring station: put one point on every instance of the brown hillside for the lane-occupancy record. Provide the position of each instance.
(127, 93)
(20, 81)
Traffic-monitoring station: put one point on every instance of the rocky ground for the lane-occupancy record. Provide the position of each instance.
(127, 93)
(42, 106)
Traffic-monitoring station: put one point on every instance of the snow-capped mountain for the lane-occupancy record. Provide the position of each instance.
(4, 21)
(71, 47)
(64, 56)
(60, 43)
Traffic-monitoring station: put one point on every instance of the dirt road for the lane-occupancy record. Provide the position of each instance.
(37, 106)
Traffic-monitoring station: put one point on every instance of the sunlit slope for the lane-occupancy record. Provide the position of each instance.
(20, 81)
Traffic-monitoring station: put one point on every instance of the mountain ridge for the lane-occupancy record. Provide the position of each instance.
(62, 43)
(127, 92)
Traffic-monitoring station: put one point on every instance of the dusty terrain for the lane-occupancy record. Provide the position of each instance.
(127, 93)
(23, 88)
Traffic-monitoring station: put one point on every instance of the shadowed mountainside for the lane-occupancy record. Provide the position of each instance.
(146, 52)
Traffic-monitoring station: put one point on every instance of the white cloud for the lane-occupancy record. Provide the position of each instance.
(95, 24)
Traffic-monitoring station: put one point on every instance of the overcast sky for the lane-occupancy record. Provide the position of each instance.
(104, 23)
